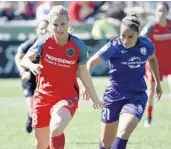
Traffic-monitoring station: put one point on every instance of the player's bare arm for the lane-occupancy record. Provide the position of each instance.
(27, 62)
(88, 84)
(18, 58)
(154, 67)
(93, 61)
(155, 70)
(25, 75)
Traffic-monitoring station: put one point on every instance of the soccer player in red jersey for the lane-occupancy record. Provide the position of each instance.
(160, 33)
(62, 55)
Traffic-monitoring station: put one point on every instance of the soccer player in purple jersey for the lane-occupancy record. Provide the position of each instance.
(125, 97)
(28, 78)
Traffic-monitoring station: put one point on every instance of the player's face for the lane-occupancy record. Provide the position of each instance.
(59, 26)
(161, 11)
(42, 28)
(128, 36)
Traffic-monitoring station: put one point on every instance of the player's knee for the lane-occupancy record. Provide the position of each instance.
(56, 129)
(56, 132)
(59, 121)
(124, 134)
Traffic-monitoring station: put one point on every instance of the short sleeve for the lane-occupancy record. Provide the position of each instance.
(37, 46)
(82, 59)
(26, 45)
(107, 51)
(83, 54)
(151, 48)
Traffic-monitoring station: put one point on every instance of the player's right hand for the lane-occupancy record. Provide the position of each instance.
(36, 68)
(84, 94)
(26, 75)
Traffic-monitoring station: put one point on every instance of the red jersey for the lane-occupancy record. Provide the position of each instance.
(60, 65)
(161, 38)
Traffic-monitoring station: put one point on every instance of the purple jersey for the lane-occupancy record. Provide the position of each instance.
(127, 68)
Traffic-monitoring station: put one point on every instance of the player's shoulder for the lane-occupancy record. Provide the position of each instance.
(44, 38)
(30, 41)
(150, 25)
(144, 40)
(77, 41)
(115, 42)
(27, 44)
(33, 39)
(41, 40)
(147, 29)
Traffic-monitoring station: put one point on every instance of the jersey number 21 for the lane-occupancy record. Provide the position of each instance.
(105, 113)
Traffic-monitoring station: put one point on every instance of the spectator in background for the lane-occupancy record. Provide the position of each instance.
(141, 12)
(7, 11)
(105, 27)
(44, 8)
(79, 10)
(116, 10)
(26, 10)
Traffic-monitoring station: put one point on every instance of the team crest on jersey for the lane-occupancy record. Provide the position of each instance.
(140, 109)
(70, 103)
(143, 50)
(70, 52)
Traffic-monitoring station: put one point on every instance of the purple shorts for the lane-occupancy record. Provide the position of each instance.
(135, 106)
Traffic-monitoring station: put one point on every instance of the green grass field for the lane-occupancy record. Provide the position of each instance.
(84, 130)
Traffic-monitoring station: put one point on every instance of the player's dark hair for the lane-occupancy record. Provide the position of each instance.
(132, 21)
(164, 4)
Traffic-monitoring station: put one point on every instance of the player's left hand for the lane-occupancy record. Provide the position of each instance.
(158, 91)
(97, 104)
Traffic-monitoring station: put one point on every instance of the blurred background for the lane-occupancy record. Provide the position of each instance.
(95, 22)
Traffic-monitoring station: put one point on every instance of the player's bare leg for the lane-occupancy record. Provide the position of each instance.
(60, 118)
(127, 124)
(29, 104)
(42, 138)
(150, 103)
(108, 134)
